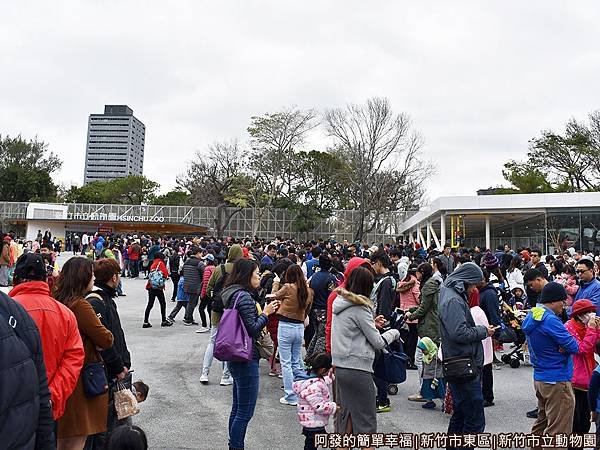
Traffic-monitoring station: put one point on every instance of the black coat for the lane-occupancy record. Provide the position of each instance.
(26, 420)
(117, 356)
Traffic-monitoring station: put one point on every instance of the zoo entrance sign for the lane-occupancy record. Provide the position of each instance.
(114, 217)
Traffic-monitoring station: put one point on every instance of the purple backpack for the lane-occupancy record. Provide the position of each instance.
(233, 343)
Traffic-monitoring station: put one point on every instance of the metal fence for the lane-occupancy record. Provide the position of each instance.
(342, 224)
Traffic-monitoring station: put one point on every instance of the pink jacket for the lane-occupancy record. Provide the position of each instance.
(583, 361)
(570, 284)
(314, 407)
(409, 294)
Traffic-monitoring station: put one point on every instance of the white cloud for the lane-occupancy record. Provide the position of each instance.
(478, 78)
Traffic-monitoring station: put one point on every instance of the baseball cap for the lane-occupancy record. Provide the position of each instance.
(209, 256)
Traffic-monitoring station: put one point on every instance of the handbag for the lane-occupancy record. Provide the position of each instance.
(233, 343)
(390, 366)
(459, 369)
(264, 342)
(93, 376)
(126, 404)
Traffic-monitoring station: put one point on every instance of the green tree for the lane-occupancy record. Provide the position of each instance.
(130, 190)
(175, 197)
(26, 168)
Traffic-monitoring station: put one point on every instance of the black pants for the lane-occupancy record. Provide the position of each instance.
(134, 268)
(581, 418)
(309, 442)
(152, 295)
(410, 339)
(178, 307)
(382, 391)
(175, 278)
(191, 306)
(487, 383)
(204, 305)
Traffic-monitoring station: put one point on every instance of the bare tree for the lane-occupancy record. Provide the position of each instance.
(274, 139)
(211, 178)
(387, 172)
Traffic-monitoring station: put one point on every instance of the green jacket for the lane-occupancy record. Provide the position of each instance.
(427, 311)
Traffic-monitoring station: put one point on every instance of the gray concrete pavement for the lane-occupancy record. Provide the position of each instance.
(183, 414)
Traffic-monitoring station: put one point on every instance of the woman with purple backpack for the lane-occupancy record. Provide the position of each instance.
(242, 283)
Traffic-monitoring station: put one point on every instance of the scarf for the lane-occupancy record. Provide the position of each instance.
(429, 346)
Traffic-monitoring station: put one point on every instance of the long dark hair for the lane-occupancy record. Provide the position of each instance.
(360, 281)
(426, 271)
(242, 273)
(74, 279)
(294, 275)
(440, 266)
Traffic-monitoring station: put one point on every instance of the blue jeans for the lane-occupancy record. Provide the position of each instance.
(289, 339)
(467, 400)
(245, 393)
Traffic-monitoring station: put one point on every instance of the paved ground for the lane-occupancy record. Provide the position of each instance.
(180, 413)
(183, 414)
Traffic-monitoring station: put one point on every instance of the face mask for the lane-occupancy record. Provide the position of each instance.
(585, 318)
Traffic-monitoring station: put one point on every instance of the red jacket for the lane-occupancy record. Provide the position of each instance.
(208, 271)
(61, 341)
(583, 361)
(160, 264)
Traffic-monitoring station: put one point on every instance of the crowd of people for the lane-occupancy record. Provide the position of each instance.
(320, 312)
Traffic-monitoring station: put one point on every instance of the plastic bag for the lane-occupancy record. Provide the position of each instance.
(126, 404)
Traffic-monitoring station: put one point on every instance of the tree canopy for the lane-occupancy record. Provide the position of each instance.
(26, 168)
(133, 189)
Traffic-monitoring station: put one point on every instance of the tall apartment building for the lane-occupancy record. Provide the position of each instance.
(115, 145)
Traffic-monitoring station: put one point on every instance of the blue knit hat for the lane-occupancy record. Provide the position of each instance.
(553, 292)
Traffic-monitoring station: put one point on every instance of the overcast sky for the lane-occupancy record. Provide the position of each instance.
(478, 78)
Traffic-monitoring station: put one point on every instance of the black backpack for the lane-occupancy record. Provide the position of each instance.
(217, 299)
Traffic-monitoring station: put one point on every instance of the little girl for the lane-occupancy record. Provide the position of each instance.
(314, 407)
(433, 385)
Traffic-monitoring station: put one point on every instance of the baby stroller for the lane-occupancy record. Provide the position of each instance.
(513, 334)
(397, 321)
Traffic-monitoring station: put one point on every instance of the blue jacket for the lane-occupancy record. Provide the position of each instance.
(591, 291)
(550, 346)
(322, 283)
(310, 267)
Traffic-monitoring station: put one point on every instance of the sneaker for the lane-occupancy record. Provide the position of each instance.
(202, 330)
(429, 405)
(280, 375)
(122, 294)
(487, 404)
(283, 401)
(204, 378)
(226, 381)
(189, 324)
(272, 373)
(170, 319)
(416, 398)
(166, 323)
(146, 325)
(386, 408)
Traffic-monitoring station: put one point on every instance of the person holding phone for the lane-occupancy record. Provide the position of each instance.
(296, 300)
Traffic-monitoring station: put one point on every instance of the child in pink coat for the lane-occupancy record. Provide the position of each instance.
(314, 407)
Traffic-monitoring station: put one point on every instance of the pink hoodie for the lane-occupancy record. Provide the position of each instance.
(314, 407)
(583, 360)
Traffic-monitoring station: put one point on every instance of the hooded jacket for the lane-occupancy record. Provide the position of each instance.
(314, 406)
(354, 337)
(352, 264)
(402, 265)
(409, 294)
(61, 342)
(489, 302)
(460, 336)
(235, 253)
(550, 346)
(246, 307)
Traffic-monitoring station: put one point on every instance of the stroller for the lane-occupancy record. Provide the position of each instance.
(513, 334)
(397, 321)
